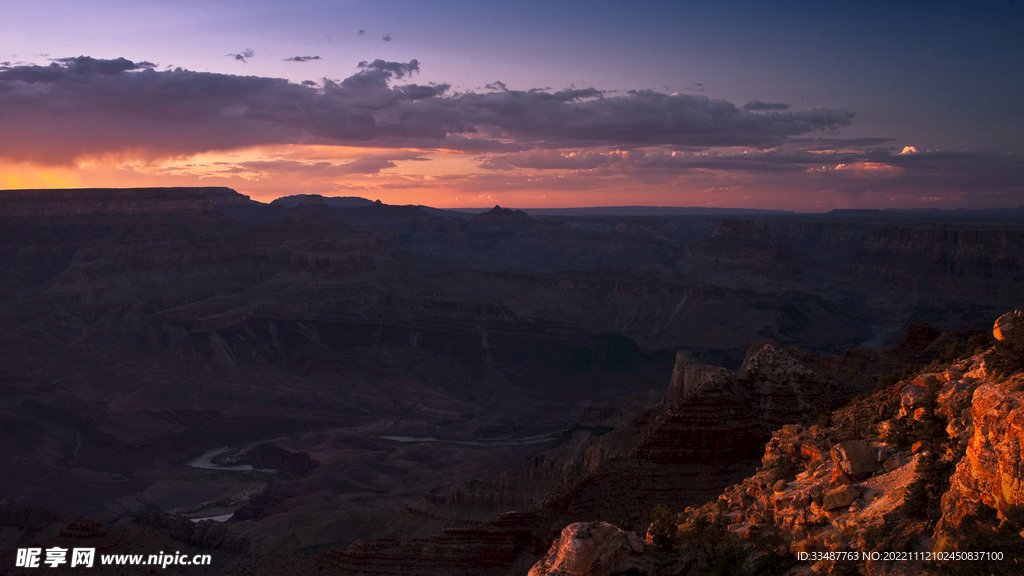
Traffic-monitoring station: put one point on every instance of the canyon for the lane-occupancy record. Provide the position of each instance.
(584, 382)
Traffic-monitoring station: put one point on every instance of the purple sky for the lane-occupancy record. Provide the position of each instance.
(793, 105)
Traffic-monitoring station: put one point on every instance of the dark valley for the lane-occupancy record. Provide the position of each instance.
(336, 385)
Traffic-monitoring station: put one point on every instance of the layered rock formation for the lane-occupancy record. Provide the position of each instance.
(715, 416)
(923, 470)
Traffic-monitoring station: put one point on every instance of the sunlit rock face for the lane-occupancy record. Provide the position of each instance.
(590, 549)
(991, 473)
(992, 470)
(932, 462)
(1009, 331)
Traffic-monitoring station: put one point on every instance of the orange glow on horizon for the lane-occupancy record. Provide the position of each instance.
(447, 179)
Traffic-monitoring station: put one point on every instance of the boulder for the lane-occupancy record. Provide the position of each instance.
(1010, 327)
(856, 458)
(916, 396)
(840, 497)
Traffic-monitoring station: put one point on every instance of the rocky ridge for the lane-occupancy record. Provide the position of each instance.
(929, 465)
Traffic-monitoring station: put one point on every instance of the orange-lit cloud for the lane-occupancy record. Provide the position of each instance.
(89, 122)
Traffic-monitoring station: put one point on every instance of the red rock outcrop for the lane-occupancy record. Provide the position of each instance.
(934, 465)
(1009, 327)
(991, 473)
(590, 549)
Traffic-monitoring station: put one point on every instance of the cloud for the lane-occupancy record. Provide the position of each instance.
(661, 160)
(860, 173)
(639, 117)
(386, 38)
(247, 53)
(371, 165)
(81, 107)
(758, 105)
(838, 143)
(301, 58)
(84, 65)
(399, 69)
(552, 160)
(966, 178)
(361, 32)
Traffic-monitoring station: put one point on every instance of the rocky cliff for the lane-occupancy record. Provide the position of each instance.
(905, 480)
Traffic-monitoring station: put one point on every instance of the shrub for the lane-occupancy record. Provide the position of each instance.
(663, 527)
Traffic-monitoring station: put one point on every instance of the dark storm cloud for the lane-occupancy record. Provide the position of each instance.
(85, 106)
(758, 105)
(301, 58)
(641, 117)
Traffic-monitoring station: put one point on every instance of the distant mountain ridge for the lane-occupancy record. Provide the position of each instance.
(638, 211)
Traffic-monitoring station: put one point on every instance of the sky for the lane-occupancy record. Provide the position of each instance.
(804, 106)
